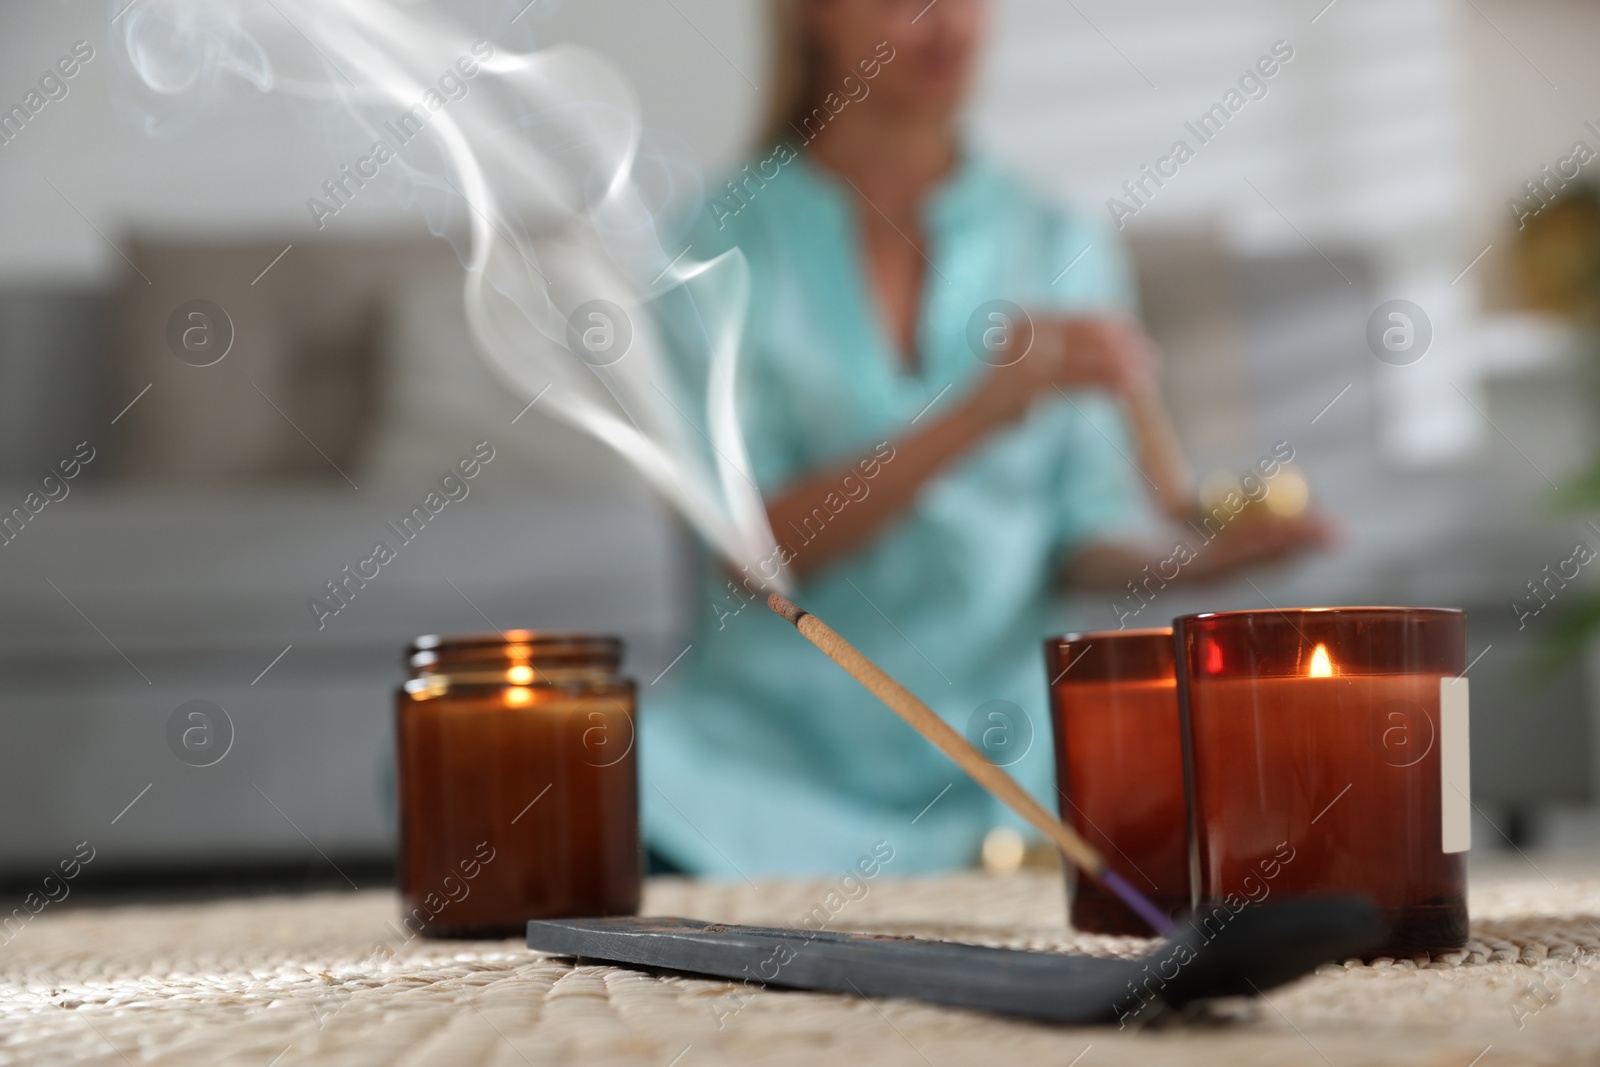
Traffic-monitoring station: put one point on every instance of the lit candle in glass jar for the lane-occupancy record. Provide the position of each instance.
(1327, 753)
(517, 783)
(1119, 769)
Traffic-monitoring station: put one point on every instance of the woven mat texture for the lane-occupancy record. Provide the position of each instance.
(281, 981)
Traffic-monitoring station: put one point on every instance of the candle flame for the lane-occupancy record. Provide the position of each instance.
(1321, 665)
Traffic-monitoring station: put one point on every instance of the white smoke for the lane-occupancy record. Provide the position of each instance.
(541, 147)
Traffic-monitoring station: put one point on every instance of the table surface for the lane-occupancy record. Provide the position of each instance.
(288, 980)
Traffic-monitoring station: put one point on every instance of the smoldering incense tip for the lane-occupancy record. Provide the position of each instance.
(785, 607)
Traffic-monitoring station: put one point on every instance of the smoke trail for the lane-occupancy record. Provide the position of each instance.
(568, 290)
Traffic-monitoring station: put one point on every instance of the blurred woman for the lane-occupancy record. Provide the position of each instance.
(937, 463)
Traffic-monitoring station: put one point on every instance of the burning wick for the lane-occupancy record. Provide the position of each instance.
(1321, 665)
(1004, 788)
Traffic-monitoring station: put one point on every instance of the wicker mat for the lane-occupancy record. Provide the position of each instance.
(281, 981)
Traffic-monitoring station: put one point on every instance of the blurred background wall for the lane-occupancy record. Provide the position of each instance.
(1378, 165)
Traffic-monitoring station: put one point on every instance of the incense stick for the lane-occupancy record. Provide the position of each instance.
(926, 722)
(1160, 453)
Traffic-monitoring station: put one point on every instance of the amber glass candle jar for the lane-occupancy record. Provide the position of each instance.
(518, 786)
(1328, 752)
(1119, 769)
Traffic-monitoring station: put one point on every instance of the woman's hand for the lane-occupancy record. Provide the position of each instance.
(1246, 542)
(1109, 353)
(1048, 355)
(1256, 539)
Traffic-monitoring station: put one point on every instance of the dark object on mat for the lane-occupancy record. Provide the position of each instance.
(1219, 954)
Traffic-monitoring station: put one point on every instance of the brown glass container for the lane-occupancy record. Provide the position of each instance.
(1328, 752)
(1119, 769)
(518, 783)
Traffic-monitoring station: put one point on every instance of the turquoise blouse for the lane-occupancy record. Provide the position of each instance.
(760, 756)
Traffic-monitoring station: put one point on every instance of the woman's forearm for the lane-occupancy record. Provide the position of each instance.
(1076, 353)
(816, 537)
(1105, 566)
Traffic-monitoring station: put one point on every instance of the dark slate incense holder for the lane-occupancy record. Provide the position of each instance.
(1220, 953)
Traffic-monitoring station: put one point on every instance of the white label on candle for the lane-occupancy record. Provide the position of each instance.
(1455, 767)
